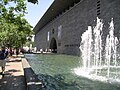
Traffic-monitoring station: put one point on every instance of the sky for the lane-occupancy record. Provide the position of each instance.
(36, 11)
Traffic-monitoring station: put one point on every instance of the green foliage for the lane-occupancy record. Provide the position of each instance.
(33, 1)
(14, 29)
(6, 1)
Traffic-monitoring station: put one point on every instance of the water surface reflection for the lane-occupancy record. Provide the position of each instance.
(56, 72)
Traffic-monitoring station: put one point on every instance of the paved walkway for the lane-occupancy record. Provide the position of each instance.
(14, 75)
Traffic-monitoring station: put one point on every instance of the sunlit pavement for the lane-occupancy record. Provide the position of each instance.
(13, 76)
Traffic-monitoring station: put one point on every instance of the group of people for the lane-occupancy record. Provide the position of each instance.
(4, 54)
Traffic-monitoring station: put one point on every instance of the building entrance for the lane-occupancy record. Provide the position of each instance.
(53, 45)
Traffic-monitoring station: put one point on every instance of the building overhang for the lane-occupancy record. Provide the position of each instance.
(57, 7)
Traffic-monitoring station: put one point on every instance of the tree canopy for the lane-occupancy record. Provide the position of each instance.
(14, 28)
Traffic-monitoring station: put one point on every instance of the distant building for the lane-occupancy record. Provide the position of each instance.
(62, 25)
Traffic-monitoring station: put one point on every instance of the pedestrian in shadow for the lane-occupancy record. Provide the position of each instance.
(3, 56)
(17, 51)
(11, 52)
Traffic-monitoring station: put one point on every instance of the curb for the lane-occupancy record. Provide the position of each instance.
(32, 82)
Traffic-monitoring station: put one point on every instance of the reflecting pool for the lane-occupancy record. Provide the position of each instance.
(57, 73)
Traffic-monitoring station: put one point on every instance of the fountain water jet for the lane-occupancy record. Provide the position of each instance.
(96, 65)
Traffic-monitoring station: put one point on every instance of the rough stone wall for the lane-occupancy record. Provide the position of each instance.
(75, 21)
(111, 9)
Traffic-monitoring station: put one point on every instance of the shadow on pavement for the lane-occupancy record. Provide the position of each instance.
(13, 78)
(12, 83)
(13, 61)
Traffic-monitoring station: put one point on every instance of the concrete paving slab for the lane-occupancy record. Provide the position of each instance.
(14, 75)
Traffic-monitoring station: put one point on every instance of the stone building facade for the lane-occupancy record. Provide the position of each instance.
(62, 25)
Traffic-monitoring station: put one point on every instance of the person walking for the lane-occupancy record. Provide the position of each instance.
(3, 56)
(11, 51)
(17, 51)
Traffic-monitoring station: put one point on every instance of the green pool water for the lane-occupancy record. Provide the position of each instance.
(57, 73)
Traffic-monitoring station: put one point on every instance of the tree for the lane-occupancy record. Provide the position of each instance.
(14, 29)
(15, 35)
(32, 1)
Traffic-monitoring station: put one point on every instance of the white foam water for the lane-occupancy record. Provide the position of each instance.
(96, 65)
